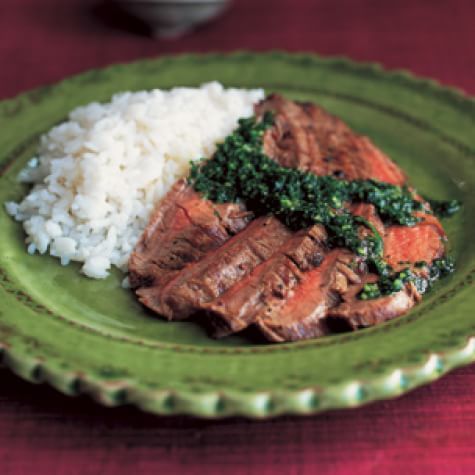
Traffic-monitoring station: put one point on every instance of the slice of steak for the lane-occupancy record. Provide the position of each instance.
(422, 242)
(306, 136)
(182, 229)
(358, 313)
(303, 313)
(211, 276)
(269, 284)
(403, 247)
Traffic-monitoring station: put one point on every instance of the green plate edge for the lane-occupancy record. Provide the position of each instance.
(392, 379)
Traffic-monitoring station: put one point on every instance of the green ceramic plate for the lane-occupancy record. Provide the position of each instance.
(84, 336)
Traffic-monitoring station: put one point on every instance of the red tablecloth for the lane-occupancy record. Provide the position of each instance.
(427, 431)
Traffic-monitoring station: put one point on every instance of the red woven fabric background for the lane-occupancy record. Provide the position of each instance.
(428, 431)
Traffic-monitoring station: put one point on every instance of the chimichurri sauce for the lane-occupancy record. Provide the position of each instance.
(240, 171)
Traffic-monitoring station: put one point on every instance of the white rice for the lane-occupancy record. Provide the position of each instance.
(98, 176)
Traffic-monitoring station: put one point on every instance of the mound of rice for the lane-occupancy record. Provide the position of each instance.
(98, 176)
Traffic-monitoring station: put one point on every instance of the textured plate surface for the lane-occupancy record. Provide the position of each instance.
(84, 336)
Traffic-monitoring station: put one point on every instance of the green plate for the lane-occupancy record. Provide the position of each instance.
(84, 336)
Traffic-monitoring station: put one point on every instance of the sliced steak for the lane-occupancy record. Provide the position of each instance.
(303, 313)
(269, 284)
(422, 242)
(198, 256)
(182, 229)
(403, 246)
(316, 300)
(356, 313)
(211, 276)
(306, 136)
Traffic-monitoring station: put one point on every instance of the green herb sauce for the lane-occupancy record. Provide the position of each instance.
(444, 209)
(240, 171)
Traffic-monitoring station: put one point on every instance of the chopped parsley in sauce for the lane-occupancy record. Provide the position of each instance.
(240, 171)
(444, 209)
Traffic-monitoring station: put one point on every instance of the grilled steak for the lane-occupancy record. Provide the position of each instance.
(198, 256)
(364, 313)
(183, 228)
(303, 314)
(306, 136)
(219, 269)
(269, 284)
